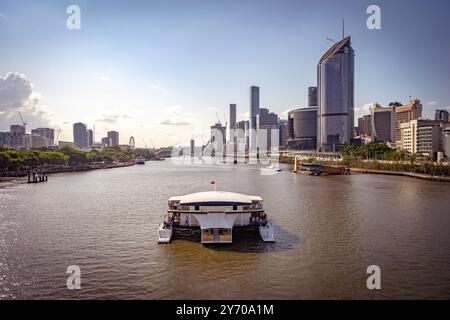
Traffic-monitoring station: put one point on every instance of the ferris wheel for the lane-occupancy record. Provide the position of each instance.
(132, 144)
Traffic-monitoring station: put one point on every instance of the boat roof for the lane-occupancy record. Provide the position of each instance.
(215, 198)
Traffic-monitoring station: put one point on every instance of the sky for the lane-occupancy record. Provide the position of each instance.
(164, 71)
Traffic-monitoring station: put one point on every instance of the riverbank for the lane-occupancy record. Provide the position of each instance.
(367, 170)
(6, 176)
(401, 173)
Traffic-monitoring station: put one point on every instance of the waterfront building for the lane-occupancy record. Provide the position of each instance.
(80, 136)
(113, 138)
(17, 136)
(218, 138)
(302, 128)
(365, 125)
(335, 97)
(382, 126)
(36, 141)
(312, 97)
(446, 142)
(242, 128)
(266, 125)
(421, 136)
(232, 124)
(105, 141)
(192, 147)
(6, 139)
(283, 132)
(90, 136)
(46, 133)
(441, 115)
(62, 144)
(253, 112)
(406, 113)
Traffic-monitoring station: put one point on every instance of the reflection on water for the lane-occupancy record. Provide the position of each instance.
(329, 230)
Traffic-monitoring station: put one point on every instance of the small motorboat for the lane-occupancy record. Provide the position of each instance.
(270, 170)
(267, 232)
(164, 233)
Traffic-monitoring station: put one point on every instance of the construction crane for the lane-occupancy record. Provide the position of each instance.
(226, 121)
(21, 119)
(57, 137)
(218, 119)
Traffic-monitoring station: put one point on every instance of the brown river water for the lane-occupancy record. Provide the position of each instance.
(329, 230)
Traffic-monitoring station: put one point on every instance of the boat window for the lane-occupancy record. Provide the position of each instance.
(197, 208)
(234, 208)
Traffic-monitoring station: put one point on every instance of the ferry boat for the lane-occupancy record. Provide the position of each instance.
(216, 214)
(139, 160)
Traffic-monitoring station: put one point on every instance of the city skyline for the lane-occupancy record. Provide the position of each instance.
(161, 91)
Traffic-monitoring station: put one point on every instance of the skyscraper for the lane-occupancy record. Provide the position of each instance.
(232, 121)
(113, 138)
(80, 138)
(47, 133)
(90, 135)
(382, 123)
(18, 133)
(406, 113)
(266, 124)
(335, 97)
(441, 115)
(312, 96)
(254, 111)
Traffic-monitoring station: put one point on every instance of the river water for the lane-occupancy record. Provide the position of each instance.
(329, 230)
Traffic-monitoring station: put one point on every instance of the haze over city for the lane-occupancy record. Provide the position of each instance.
(164, 75)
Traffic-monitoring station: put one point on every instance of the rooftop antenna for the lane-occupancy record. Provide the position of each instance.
(343, 28)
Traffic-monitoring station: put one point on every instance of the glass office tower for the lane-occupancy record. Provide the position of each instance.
(335, 97)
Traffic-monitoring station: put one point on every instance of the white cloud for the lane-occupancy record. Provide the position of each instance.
(16, 94)
(432, 103)
(174, 123)
(112, 118)
(364, 109)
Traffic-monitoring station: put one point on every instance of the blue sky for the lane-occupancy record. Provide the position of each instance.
(137, 64)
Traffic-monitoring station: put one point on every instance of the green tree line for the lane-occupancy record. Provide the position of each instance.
(18, 160)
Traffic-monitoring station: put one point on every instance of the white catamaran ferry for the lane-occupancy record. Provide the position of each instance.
(216, 213)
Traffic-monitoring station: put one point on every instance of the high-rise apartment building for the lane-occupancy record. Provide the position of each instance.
(80, 136)
(46, 133)
(113, 138)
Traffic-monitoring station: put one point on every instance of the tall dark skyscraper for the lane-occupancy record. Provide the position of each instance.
(312, 96)
(232, 119)
(80, 135)
(253, 112)
(113, 137)
(335, 97)
(442, 115)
